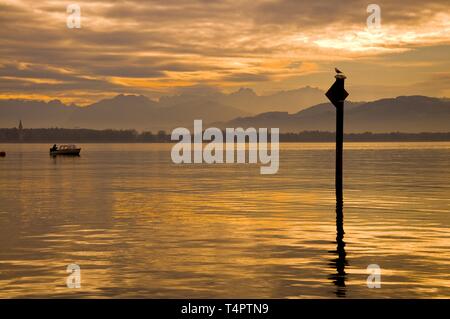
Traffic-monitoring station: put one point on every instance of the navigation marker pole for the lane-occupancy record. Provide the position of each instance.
(337, 95)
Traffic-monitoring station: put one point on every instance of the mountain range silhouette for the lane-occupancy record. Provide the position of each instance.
(287, 110)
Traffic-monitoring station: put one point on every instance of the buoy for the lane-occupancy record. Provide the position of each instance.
(2, 154)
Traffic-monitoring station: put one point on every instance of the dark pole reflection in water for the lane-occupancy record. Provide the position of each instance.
(340, 261)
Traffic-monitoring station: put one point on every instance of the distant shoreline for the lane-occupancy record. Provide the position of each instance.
(60, 135)
(206, 142)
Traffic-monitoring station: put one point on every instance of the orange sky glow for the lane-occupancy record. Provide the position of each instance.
(160, 48)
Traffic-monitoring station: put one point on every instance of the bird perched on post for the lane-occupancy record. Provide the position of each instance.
(339, 74)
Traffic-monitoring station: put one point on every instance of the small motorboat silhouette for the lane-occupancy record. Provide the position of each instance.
(66, 149)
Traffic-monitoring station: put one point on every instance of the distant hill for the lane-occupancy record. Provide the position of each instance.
(139, 112)
(401, 114)
(404, 113)
(34, 113)
(120, 112)
(249, 102)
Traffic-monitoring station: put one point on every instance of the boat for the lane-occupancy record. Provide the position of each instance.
(65, 149)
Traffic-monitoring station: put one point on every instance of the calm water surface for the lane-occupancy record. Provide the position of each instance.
(140, 226)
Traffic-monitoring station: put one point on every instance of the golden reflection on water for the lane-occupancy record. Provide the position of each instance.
(140, 226)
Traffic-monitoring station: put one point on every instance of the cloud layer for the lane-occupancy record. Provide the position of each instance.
(160, 47)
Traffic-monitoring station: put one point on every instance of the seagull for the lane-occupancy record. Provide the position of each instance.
(338, 71)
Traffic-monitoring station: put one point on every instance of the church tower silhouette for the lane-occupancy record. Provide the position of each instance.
(20, 131)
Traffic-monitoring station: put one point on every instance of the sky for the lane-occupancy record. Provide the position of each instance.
(169, 47)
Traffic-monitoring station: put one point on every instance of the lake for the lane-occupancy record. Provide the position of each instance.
(140, 226)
